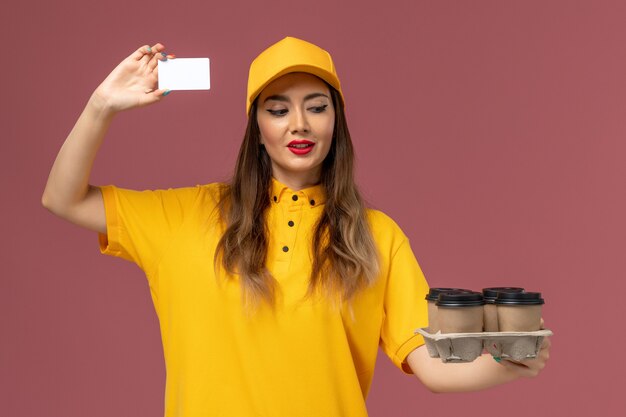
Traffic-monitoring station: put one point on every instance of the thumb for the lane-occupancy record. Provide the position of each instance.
(162, 92)
(156, 95)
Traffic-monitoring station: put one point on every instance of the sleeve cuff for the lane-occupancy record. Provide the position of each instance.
(403, 351)
(110, 242)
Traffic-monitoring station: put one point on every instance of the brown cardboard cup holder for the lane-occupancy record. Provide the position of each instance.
(465, 347)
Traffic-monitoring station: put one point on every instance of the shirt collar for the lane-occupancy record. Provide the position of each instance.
(314, 196)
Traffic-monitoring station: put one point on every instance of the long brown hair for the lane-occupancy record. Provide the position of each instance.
(345, 258)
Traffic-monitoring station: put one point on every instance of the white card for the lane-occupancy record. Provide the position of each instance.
(184, 74)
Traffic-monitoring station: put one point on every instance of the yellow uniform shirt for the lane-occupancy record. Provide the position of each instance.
(304, 359)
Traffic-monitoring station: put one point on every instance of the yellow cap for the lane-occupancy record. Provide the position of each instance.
(290, 55)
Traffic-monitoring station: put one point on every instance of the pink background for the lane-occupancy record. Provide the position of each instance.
(491, 131)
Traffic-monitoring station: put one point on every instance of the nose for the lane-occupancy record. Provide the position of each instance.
(298, 121)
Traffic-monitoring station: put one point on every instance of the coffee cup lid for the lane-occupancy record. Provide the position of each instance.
(491, 293)
(460, 299)
(519, 298)
(433, 294)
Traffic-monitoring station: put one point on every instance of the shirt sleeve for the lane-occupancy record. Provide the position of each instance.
(405, 307)
(141, 224)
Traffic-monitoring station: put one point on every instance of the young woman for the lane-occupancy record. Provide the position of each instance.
(274, 291)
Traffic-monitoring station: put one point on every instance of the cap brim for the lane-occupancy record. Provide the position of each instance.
(309, 69)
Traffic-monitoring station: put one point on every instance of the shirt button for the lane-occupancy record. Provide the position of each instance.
(291, 223)
(294, 197)
(285, 249)
(275, 198)
(312, 202)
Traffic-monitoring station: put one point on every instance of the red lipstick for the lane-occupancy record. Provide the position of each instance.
(301, 147)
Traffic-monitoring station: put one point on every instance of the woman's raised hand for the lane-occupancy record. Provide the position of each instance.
(133, 83)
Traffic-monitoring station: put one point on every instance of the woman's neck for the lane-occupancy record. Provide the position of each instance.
(297, 181)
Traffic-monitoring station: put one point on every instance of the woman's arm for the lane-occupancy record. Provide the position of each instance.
(481, 374)
(68, 193)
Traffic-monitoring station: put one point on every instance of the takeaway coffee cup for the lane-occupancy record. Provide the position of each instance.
(460, 312)
(432, 297)
(491, 313)
(519, 311)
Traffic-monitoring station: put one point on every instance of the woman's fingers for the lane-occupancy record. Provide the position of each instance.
(160, 56)
(156, 95)
(531, 367)
(544, 352)
(147, 57)
(157, 48)
(141, 52)
(162, 93)
(526, 369)
(151, 51)
(146, 53)
(152, 96)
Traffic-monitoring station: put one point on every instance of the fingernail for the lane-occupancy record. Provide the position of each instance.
(149, 49)
(167, 92)
(497, 359)
(163, 53)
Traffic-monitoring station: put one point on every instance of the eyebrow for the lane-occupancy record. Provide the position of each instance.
(278, 97)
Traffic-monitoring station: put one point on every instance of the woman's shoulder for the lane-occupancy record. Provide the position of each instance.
(379, 218)
(383, 227)
(212, 193)
(183, 198)
(214, 188)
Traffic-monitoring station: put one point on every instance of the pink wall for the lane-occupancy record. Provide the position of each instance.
(492, 132)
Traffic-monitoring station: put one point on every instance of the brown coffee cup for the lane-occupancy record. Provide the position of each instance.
(460, 312)
(432, 297)
(491, 312)
(519, 312)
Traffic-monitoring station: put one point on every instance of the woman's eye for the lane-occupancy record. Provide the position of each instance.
(280, 112)
(318, 109)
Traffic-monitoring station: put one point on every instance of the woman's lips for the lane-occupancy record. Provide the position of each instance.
(300, 149)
